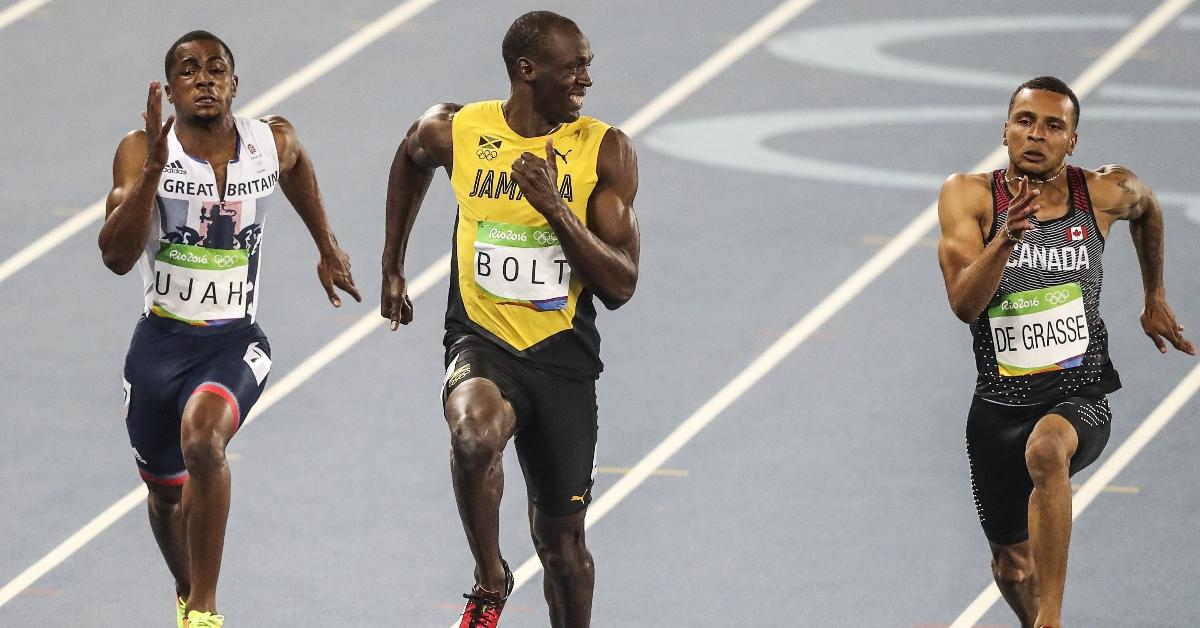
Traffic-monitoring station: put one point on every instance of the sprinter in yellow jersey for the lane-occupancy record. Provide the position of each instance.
(545, 221)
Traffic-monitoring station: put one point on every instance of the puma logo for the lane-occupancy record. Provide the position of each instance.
(563, 156)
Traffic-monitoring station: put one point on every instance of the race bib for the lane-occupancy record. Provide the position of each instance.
(194, 283)
(1041, 330)
(520, 265)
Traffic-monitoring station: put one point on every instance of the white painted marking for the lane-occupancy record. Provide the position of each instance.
(1088, 81)
(255, 108)
(714, 65)
(19, 10)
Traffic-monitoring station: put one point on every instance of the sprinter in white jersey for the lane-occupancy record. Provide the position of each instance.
(187, 207)
(1021, 253)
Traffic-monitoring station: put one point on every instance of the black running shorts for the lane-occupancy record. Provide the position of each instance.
(556, 421)
(996, 439)
(163, 369)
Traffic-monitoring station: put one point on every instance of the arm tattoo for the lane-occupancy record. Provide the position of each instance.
(1128, 188)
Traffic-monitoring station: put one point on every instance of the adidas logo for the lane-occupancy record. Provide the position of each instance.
(175, 167)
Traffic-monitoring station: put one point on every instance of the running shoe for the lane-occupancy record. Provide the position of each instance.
(203, 619)
(484, 607)
(180, 607)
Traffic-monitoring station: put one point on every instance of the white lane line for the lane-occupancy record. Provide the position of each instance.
(255, 108)
(1091, 78)
(714, 65)
(19, 10)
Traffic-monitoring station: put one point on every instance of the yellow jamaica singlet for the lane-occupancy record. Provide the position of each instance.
(511, 281)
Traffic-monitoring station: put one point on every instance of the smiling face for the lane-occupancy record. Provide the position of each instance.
(559, 76)
(201, 83)
(1040, 132)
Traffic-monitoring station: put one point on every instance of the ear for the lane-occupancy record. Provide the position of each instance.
(525, 69)
(1071, 144)
(235, 82)
(1004, 135)
(167, 91)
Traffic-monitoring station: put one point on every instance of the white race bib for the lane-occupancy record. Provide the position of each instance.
(521, 265)
(194, 283)
(1041, 330)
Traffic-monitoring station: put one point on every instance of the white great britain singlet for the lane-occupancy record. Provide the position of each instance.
(200, 265)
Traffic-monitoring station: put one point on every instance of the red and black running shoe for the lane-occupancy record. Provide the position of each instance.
(484, 607)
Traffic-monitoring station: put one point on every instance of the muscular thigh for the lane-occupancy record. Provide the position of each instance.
(164, 369)
(1092, 420)
(234, 369)
(556, 443)
(1000, 482)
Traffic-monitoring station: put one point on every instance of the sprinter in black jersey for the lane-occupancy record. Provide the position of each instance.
(1020, 252)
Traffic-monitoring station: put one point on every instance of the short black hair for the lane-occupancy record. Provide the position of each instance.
(527, 36)
(1050, 84)
(194, 36)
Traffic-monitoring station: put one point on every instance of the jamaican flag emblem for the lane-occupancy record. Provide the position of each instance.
(489, 147)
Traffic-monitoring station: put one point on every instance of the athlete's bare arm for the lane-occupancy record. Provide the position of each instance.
(1118, 194)
(298, 180)
(971, 270)
(137, 167)
(604, 254)
(429, 145)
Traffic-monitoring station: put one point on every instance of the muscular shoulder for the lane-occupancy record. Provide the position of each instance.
(131, 153)
(431, 137)
(1114, 188)
(435, 127)
(968, 191)
(286, 144)
(134, 141)
(617, 156)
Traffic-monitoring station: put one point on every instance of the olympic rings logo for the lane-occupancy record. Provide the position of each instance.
(545, 238)
(1058, 297)
(225, 261)
(485, 153)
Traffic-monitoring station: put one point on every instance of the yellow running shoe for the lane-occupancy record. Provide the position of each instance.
(203, 619)
(180, 606)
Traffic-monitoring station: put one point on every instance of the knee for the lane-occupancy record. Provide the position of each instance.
(1010, 568)
(564, 556)
(203, 449)
(1047, 458)
(475, 439)
(163, 498)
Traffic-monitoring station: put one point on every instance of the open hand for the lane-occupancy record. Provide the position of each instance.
(1158, 321)
(156, 130)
